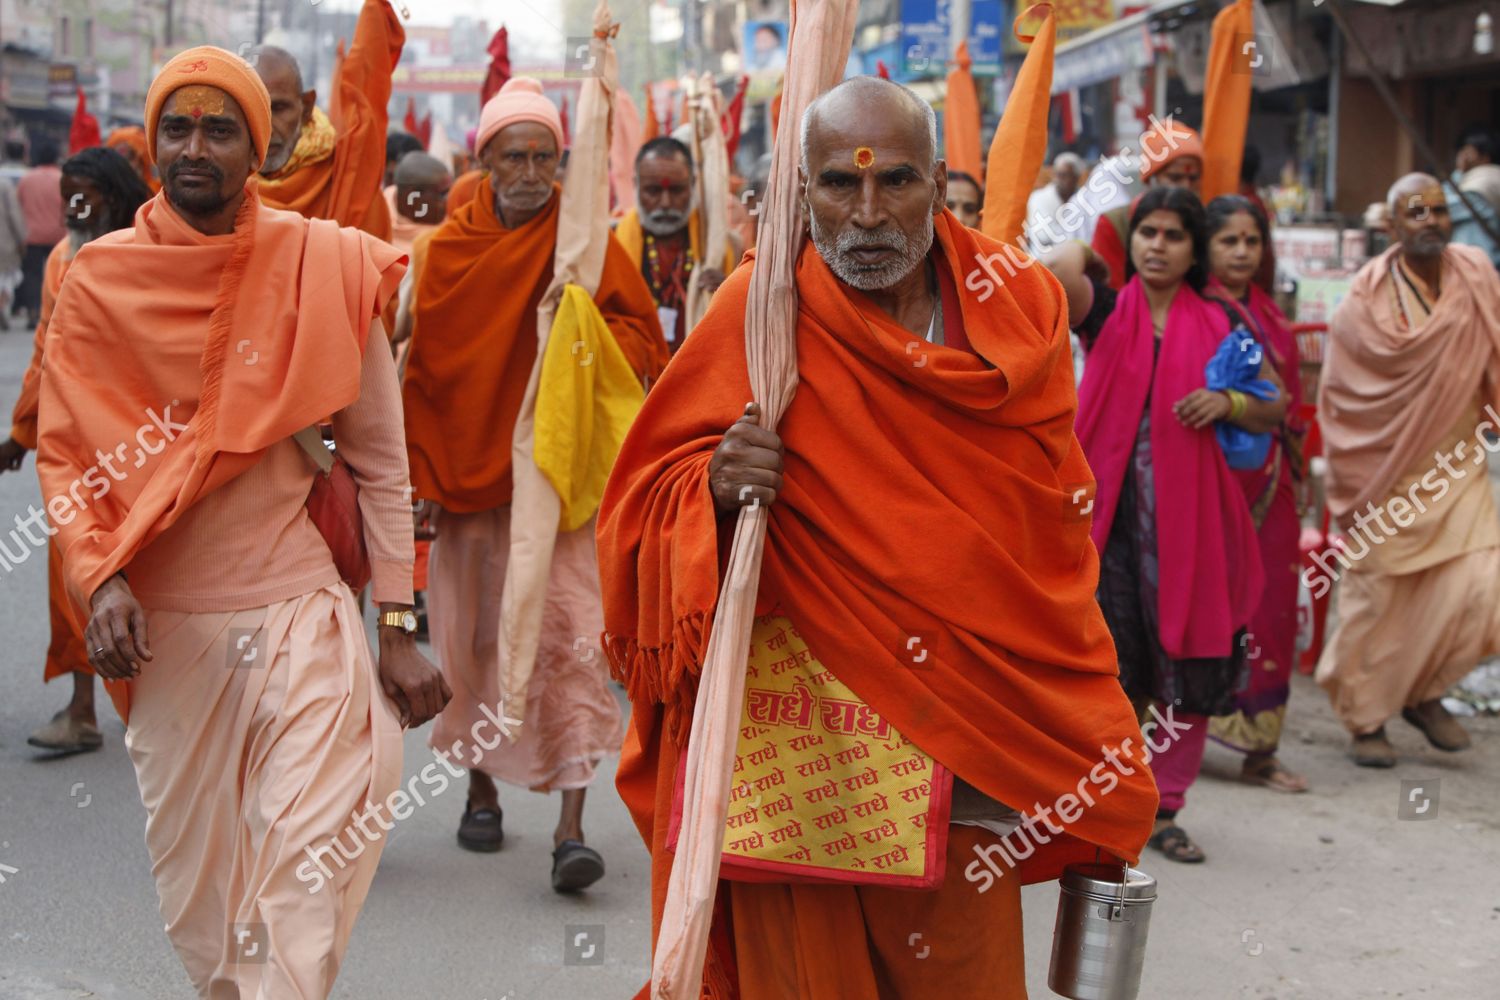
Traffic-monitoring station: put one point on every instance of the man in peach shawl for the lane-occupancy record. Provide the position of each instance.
(101, 192)
(663, 233)
(480, 277)
(332, 166)
(184, 354)
(1407, 405)
(932, 417)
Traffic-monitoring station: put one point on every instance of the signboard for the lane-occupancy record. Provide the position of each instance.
(1074, 18)
(1111, 56)
(925, 36)
(1319, 294)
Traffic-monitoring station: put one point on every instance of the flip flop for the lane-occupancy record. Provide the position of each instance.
(481, 830)
(575, 866)
(1174, 842)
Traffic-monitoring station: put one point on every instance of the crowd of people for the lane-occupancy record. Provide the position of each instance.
(1075, 564)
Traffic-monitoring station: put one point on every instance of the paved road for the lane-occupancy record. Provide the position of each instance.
(1326, 896)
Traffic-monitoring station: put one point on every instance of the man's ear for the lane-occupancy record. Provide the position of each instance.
(940, 182)
(309, 101)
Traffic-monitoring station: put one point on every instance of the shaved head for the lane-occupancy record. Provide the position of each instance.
(1419, 216)
(869, 98)
(271, 60)
(1406, 187)
(420, 170)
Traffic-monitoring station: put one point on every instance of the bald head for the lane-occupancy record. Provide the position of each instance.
(291, 106)
(864, 99)
(419, 170)
(1419, 216)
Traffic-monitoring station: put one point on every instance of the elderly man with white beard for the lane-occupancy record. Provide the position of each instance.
(663, 234)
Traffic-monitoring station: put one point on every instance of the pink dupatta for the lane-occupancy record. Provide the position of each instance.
(1210, 577)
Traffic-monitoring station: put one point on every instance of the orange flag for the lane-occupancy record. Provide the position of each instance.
(1020, 144)
(961, 116)
(653, 123)
(1226, 97)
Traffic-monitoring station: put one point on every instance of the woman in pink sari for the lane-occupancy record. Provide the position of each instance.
(1238, 235)
(1180, 572)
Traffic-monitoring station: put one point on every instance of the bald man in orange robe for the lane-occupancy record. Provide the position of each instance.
(480, 279)
(186, 359)
(926, 602)
(331, 166)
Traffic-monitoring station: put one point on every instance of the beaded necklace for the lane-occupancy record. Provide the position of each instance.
(679, 276)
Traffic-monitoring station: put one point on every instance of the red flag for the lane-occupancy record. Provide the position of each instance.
(733, 118)
(410, 123)
(424, 131)
(563, 114)
(499, 70)
(85, 130)
(882, 70)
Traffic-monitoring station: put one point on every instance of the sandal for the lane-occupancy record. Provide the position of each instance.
(575, 866)
(1174, 842)
(64, 735)
(1268, 772)
(481, 830)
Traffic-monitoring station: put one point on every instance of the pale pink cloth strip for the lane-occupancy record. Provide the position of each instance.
(821, 35)
(582, 237)
(252, 758)
(711, 160)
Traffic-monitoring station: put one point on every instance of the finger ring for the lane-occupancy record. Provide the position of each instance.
(99, 651)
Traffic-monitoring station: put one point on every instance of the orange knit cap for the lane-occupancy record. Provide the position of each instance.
(207, 66)
(1165, 142)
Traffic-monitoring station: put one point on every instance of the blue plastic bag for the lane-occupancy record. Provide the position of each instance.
(1236, 365)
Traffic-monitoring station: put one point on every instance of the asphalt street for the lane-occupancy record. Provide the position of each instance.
(1346, 892)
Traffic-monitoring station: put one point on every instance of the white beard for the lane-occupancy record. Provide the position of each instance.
(836, 250)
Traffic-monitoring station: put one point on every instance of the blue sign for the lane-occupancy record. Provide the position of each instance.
(925, 47)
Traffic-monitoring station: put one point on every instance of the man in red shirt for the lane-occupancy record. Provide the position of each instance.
(40, 195)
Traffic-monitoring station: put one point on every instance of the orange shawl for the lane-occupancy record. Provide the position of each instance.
(474, 342)
(345, 186)
(930, 497)
(23, 417)
(234, 343)
(1387, 394)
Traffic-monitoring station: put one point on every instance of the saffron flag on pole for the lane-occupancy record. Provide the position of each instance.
(1020, 144)
(1233, 55)
(961, 116)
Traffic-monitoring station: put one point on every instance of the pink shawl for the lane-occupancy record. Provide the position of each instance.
(1210, 574)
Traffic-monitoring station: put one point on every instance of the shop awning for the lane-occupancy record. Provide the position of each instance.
(1122, 47)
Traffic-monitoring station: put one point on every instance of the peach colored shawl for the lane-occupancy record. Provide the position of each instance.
(1389, 394)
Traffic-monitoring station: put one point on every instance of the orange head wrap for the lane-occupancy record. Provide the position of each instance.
(207, 66)
(1165, 142)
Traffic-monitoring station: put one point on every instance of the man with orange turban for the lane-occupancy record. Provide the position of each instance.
(1171, 155)
(130, 142)
(931, 697)
(480, 278)
(188, 357)
(332, 167)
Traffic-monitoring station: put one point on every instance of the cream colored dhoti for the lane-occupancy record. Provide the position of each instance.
(571, 719)
(255, 736)
(1420, 605)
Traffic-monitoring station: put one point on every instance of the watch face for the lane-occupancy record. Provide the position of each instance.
(409, 621)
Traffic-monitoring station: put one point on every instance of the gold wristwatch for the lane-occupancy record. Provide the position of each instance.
(406, 620)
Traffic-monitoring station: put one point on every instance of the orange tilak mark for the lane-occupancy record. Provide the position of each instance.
(864, 157)
(199, 100)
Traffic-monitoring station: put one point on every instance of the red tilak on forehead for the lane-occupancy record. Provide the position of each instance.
(666, 187)
(531, 144)
(197, 112)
